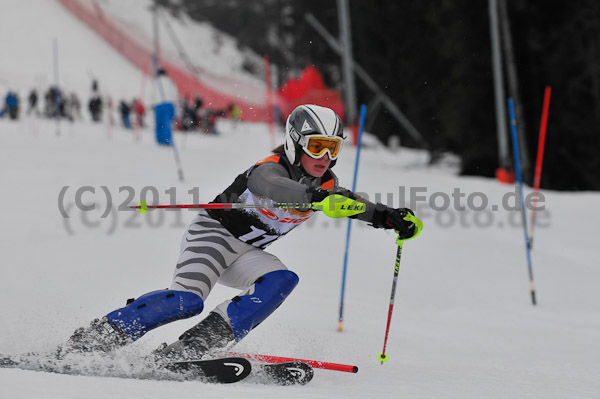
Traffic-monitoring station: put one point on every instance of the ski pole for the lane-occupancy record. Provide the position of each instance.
(334, 206)
(383, 357)
(363, 112)
(513, 124)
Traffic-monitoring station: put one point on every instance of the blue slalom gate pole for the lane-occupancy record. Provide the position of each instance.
(363, 112)
(513, 125)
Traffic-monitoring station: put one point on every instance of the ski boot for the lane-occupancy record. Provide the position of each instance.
(210, 335)
(101, 336)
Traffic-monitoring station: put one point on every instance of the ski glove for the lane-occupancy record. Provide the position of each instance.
(318, 194)
(391, 218)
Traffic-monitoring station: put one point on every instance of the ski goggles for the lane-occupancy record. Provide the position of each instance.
(316, 146)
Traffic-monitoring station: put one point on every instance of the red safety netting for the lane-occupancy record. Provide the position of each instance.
(309, 88)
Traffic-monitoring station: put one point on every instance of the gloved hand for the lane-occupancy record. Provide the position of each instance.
(390, 218)
(317, 194)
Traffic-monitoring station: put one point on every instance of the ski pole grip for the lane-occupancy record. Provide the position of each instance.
(418, 227)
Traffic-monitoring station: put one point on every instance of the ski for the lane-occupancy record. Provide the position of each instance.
(317, 364)
(222, 370)
(219, 370)
(234, 369)
(288, 373)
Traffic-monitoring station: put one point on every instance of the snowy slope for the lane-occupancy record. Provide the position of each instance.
(208, 49)
(28, 31)
(462, 327)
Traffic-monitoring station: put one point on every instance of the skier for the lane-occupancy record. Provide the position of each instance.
(227, 247)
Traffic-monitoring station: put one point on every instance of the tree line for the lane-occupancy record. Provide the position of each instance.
(434, 60)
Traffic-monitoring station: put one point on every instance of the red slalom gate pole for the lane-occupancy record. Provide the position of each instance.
(540, 159)
(347, 368)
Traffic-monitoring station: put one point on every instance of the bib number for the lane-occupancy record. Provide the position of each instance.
(258, 238)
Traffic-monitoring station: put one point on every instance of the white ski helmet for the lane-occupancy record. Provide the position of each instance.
(306, 121)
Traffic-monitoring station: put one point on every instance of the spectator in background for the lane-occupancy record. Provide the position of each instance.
(61, 103)
(234, 112)
(64, 105)
(95, 103)
(197, 117)
(65, 108)
(33, 102)
(208, 120)
(11, 105)
(74, 106)
(163, 97)
(50, 103)
(125, 109)
(57, 105)
(139, 111)
(187, 115)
